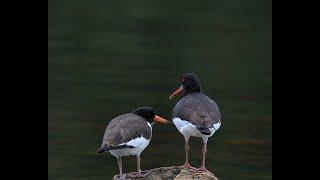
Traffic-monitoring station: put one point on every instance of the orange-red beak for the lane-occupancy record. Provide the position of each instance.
(177, 92)
(160, 120)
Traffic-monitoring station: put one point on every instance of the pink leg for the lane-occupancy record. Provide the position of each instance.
(121, 176)
(139, 173)
(203, 166)
(186, 163)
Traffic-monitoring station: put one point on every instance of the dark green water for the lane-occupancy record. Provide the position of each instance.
(107, 58)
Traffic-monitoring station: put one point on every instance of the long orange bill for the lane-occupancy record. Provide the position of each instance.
(177, 92)
(160, 120)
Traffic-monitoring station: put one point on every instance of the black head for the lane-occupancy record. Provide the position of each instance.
(145, 112)
(148, 114)
(190, 83)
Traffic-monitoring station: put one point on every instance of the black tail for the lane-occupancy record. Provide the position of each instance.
(101, 150)
(205, 131)
(107, 148)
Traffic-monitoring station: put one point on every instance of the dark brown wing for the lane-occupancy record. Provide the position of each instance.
(124, 128)
(198, 109)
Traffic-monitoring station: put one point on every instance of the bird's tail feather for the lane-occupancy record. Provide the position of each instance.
(205, 131)
(108, 148)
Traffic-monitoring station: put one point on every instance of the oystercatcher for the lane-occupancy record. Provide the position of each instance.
(129, 134)
(195, 114)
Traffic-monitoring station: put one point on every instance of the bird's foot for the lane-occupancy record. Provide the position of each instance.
(122, 177)
(186, 165)
(203, 170)
(141, 174)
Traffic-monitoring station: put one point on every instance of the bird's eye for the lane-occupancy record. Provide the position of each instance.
(182, 79)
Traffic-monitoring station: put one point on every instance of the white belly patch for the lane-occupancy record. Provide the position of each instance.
(139, 144)
(187, 129)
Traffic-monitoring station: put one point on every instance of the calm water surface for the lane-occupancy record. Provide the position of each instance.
(107, 58)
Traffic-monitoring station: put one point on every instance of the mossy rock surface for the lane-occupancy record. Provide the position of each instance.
(170, 173)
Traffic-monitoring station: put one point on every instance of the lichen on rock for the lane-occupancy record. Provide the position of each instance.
(171, 173)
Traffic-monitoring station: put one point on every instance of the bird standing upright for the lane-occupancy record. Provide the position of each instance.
(129, 134)
(195, 114)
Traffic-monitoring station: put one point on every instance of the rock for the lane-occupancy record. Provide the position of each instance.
(170, 173)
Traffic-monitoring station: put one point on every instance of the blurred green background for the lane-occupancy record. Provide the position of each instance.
(109, 57)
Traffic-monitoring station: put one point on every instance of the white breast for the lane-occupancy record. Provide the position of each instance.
(187, 129)
(139, 144)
